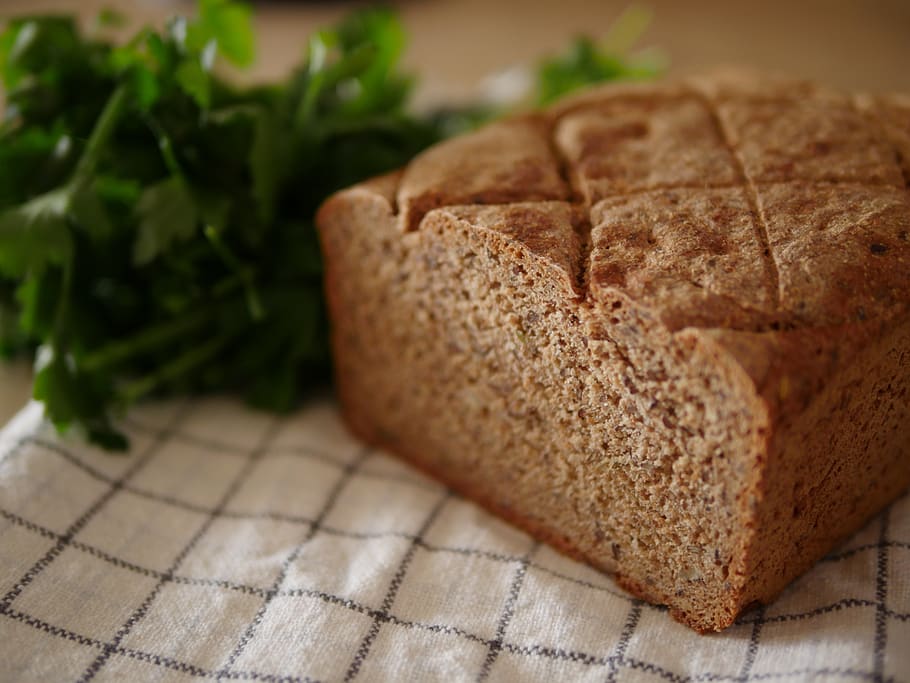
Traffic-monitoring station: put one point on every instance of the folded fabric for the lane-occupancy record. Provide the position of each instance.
(234, 545)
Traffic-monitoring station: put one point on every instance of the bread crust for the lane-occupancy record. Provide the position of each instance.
(627, 342)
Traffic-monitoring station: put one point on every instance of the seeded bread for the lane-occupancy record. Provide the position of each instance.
(664, 328)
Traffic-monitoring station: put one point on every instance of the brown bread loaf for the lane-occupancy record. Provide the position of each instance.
(664, 328)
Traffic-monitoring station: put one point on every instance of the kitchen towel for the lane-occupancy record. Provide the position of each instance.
(234, 545)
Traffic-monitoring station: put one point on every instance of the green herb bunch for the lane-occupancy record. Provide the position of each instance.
(156, 221)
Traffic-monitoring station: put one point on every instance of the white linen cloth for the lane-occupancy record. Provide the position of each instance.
(234, 545)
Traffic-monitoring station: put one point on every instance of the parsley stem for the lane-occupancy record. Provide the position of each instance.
(147, 340)
(166, 147)
(58, 338)
(101, 134)
(246, 274)
(176, 368)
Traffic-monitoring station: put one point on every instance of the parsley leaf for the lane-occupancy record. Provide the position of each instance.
(35, 234)
(167, 215)
(588, 61)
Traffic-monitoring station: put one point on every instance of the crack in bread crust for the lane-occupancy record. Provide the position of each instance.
(581, 214)
(761, 228)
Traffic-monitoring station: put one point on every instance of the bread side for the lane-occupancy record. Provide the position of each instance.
(838, 451)
(648, 354)
(521, 409)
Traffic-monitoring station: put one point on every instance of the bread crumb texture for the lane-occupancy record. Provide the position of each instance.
(662, 327)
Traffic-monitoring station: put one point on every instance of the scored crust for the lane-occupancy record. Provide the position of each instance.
(802, 174)
(727, 257)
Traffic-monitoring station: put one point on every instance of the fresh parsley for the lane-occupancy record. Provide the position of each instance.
(156, 220)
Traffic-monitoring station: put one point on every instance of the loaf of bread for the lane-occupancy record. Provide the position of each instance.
(665, 328)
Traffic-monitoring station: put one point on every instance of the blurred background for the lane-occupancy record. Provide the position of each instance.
(455, 44)
(858, 44)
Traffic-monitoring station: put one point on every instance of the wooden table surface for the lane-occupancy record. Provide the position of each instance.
(854, 44)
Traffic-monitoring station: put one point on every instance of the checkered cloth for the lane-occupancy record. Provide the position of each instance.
(233, 545)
